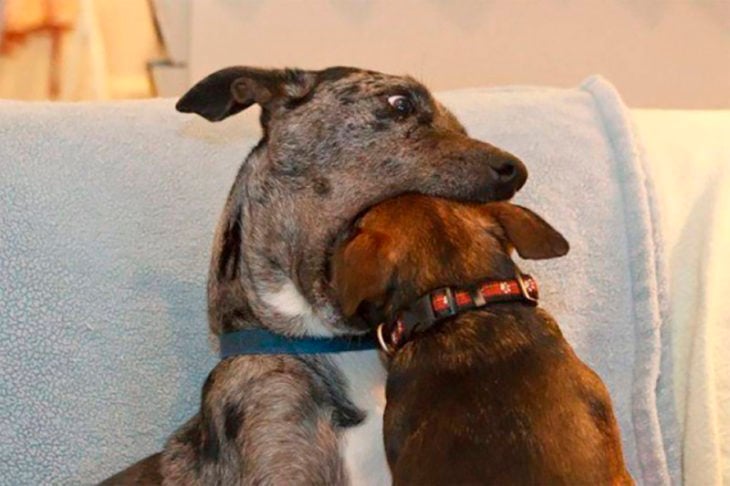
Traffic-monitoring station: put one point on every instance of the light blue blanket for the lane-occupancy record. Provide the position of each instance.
(106, 217)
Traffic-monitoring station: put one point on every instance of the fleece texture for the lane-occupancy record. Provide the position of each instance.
(107, 213)
(688, 157)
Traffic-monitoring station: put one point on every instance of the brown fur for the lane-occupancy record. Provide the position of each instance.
(492, 396)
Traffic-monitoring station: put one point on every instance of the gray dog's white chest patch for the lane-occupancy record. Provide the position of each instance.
(289, 302)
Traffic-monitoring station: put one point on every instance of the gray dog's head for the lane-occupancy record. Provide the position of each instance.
(335, 142)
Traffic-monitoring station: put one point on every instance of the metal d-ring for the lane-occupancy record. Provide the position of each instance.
(381, 340)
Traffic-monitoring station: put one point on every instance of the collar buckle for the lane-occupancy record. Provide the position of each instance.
(524, 287)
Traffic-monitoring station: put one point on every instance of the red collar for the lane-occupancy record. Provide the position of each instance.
(447, 302)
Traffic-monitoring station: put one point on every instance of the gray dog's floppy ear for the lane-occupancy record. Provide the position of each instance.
(531, 236)
(231, 90)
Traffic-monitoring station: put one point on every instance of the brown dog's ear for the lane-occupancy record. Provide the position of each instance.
(532, 236)
(231, 90)
(362, 274)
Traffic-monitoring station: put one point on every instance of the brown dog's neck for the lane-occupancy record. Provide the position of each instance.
(448, 302)
(403, 293)
(492, 334)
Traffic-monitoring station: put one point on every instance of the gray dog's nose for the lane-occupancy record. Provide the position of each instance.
(509, 170)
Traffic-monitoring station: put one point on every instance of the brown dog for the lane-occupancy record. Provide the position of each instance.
(493, 393)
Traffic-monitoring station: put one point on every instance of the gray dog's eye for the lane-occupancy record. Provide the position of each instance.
(401, 104)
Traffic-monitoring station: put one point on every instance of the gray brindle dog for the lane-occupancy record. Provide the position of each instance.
(335, 142)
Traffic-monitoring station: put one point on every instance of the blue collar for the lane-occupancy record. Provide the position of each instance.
(262, 341)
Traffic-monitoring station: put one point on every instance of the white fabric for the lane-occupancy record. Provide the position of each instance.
(688, 158)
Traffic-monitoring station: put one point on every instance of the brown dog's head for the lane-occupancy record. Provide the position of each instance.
(335, 142)
(408, 246)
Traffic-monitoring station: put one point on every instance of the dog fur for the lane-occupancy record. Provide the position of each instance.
(333, 145)
(493, 395)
